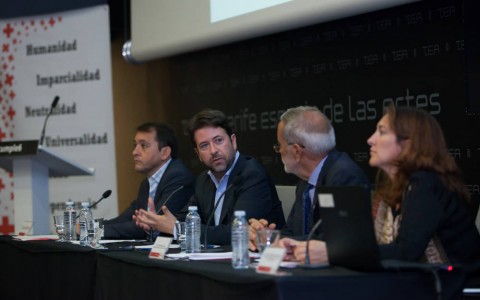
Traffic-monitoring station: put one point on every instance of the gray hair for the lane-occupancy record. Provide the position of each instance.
(308, 126)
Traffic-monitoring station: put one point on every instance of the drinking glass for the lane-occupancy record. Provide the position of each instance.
(59, 227)
(181, 234)
(98, 232)
(266, 237)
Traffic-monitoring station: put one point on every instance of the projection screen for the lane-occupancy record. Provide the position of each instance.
(162, 28)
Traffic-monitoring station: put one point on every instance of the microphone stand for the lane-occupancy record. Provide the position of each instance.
(209, 220)
(160, 209)
(235, 182)
(307, 263)
(168, 198)
(52, 107)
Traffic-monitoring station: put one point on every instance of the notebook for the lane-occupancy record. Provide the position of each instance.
(348, 227)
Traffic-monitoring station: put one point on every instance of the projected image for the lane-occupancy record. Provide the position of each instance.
(225, 9)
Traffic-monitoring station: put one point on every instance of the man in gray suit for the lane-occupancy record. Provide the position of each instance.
(306, 143)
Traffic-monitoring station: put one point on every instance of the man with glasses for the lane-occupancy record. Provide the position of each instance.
(154, 155)
(232, 182)
(306, 143)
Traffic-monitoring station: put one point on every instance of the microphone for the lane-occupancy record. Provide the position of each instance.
(105, 194)
(307, 263)
(52, 107)
(234, 183)
(168, 198)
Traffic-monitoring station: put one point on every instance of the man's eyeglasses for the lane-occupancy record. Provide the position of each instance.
(276, 146)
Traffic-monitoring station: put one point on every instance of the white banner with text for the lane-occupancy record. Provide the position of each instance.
(64, 55)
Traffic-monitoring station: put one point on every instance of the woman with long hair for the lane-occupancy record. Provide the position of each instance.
(421, 213)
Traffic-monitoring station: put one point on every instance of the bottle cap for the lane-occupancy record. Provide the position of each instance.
(85, 204)
(190, 208)
(69, 203)
(239, 213)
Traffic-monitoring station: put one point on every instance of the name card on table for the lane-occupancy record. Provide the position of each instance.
(270, 260)
(26, 228)
(160, 247)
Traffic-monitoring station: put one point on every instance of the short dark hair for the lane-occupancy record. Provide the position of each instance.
(208, 118)
(165, 135)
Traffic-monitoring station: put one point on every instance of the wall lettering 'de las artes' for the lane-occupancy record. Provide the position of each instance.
(351, 69)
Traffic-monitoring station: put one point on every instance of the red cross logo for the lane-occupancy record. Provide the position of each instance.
(2, 134)
(9, 79)
(11, 113)
(8, 30)
(6, 228)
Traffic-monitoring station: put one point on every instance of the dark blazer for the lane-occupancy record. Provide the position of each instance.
(429, 210)
(254, 193)
(176, 175)
(338, 169)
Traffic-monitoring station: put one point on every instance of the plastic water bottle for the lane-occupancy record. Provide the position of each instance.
(70, 220)
(240, 258)
(87, 229)
(192, 232)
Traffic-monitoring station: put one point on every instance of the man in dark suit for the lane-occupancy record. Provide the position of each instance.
(306, 143)
(232, 182)
(154, 155)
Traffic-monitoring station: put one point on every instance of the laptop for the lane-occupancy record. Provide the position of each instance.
(348, 228)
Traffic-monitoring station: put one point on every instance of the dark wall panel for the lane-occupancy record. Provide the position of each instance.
(472, 55)
(350, 68)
